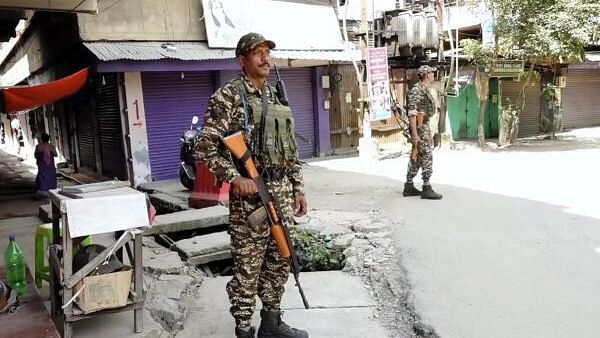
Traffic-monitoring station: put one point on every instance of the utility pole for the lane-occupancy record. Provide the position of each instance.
(443, 100)
(364, 45)
(367, 147)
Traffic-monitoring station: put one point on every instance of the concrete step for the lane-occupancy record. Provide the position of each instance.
(168, 203)
(206, 248)
(189, 220)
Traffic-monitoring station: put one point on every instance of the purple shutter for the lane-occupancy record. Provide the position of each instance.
(170, 103)
(298, 83)
(227, 75)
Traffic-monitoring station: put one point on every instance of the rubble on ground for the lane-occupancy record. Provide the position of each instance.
(171, 286)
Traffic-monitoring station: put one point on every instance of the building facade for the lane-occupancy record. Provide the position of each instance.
(151, 76)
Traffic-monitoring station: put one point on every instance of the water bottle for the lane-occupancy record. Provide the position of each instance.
(14, 262)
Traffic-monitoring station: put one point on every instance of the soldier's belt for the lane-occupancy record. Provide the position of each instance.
(274, 174)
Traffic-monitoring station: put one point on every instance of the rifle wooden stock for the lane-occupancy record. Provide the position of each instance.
(237, 145)
(415, 149)
(280, 233)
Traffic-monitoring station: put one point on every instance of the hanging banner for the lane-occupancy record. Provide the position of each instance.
(16, 99)
(378, 82)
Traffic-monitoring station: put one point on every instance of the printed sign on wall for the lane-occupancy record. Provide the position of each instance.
(290, 25)
(379, 84)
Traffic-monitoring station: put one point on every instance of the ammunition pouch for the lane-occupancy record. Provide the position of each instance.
(277, 133)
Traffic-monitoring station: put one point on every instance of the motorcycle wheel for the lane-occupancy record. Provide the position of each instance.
(185, 180)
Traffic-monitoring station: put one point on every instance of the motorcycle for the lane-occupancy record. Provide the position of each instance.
(187, 155)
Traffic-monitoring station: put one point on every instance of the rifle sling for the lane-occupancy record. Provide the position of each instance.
(245, 105)
(265, 108)
(246, 156)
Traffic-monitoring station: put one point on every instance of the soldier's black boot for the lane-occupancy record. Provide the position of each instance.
(410, 190)
(245, 334)
(271, 326)
(429, 194)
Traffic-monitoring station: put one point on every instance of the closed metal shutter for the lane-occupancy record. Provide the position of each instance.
(228, 75)
(110, 130)
(298, 83)
(170, 102)
(529, 120)
(581, 99)
(84, 120)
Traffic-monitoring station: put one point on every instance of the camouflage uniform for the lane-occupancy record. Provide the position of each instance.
(420, 100)
(258, 268)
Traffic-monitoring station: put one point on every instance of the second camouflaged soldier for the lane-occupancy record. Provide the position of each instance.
(248, 103)
(420, 101)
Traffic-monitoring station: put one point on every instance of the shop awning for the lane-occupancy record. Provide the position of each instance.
(15, 99)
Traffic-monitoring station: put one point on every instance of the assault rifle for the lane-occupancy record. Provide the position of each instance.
(279, 228)
(280, 86)
(415, 149)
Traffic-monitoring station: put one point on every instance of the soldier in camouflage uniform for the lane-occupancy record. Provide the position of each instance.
(239, 105)
(420, 101)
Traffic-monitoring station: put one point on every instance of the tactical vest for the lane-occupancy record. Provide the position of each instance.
(430, 108)
(274, 134)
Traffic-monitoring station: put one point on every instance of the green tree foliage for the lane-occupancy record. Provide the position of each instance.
(545, 31)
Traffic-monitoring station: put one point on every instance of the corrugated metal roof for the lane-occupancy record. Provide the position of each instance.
(195, 51)
(145, 51)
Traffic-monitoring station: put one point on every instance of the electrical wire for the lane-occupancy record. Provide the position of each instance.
(110, 6)
(347, 43)
(74, 8)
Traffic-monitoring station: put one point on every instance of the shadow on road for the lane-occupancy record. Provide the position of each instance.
(520, 267)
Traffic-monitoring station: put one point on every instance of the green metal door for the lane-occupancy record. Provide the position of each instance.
(464, 112)
(491, 115)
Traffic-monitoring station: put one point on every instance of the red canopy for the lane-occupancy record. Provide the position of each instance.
(23, 98)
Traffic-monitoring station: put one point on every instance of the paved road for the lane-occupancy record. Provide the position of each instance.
(513, 249)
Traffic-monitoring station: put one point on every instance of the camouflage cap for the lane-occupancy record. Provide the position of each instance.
(249, 41)
(425, 69)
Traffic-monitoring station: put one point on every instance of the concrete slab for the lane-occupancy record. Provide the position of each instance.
(320, 323)
(118, 325)
(205, 244)
(173, 187)
(168, 203)
(340, 307)
(189, 220)
(334, 223)
(324, 289)
(149, 242)
(211, 257)
(169, 263)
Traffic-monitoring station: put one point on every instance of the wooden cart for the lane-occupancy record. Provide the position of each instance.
(111, 207)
